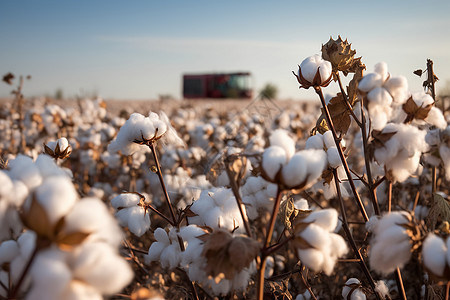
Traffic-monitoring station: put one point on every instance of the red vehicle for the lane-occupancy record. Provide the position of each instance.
(222, 85)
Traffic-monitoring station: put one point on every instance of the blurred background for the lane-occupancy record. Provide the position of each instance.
(141, 49)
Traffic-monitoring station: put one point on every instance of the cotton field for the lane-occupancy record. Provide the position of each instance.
(345, 197)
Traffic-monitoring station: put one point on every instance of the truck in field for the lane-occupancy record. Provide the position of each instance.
(217, 85)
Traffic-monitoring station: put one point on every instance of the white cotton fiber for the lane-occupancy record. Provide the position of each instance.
(328, 139)
(436, 118)
(381, 288)
(325, 218)
(161, 236)
(22, 168)
(294, 172)
(8, 250)
(314, 142)
(312, 64)
(281, 138)
(370, 81)
(357, 294)
(397, 86)
(171, 256)
(317, 162)
(273, 159)
(316, 236)
(311, 258)
(379, 96)
(125, 200)
(57, 196)
(434, 252)
(334, 159)
(382, 69)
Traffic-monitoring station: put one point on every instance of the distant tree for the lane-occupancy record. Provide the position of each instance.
(59, 94)
(269, 91)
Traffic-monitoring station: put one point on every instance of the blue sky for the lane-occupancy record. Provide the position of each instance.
(140, 49)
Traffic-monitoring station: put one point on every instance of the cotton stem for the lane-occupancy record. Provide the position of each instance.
(341, 154)
(161, 180)
(350, 238)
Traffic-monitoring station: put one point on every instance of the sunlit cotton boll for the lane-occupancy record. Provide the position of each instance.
(313, 64)
(281, 138)
(273, 159)
(166, 249)
(131, 213)
(390, 247)
(137, 128)
(353, 285)
(434, 254)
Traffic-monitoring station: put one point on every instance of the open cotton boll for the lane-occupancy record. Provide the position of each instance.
(98, 265)
(357, 293)
(316, 236)
(171, 136)
(57, 196)
(434, 252)
(301, 204)
(90, 215)
(317, 162)
(273, 159)
(78, 290)
(314, 142)
(281, 138)
(379, 115)
(370, 81)
(328, 139)
(312, 258)
(171, 256)
(22, 168)
(294, 172)
(312, 64)
(382, 289)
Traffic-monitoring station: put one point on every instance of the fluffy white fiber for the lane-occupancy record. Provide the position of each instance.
(130, 214)
(313, 64)
(357, 293)
(434, 254)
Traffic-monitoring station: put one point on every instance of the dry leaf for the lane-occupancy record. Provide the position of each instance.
(67, 241)
(439, 211)
(287, 211)
(277, 290)
(37, 220)
(413, 111)
(8, 78)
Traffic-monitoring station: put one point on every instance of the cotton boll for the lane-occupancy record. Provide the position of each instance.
(161, 236)
(316, 236)
(57, 196)
(294, 172)
(154, 252)
(379, 115)
(317, 162)
(314, 142)
(357, 293)
(282, 139)
(436, 118)
(382, 289)
(273, 159)
(171, 256)
(370, 81)
(434, 252)
(312, 64)
(385, 258)
(301, 204)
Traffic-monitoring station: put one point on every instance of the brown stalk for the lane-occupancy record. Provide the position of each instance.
(341, 154)
(362, 126)
(351, 239)
(237, 196)
(268, 238)
(161, 180)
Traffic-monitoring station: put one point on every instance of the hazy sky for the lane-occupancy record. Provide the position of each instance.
(140, 49)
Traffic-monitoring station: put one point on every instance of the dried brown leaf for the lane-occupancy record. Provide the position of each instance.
(287, 211)
(8, 78)
(68, 241)
(413, 111)
(439, 211)
(36, 219)
(339, 113)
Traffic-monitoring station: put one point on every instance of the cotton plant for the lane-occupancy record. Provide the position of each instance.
(64, 228)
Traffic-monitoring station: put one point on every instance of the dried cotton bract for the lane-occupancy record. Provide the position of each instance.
(318, 247)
